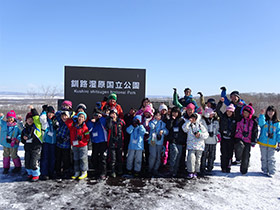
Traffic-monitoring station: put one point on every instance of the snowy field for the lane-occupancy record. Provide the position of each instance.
(220, 191)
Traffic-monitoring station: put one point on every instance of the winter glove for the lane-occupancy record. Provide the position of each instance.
(223, 88)
(175, 90)
(219, 138)
(14, 142)
(200, 93)
(253, 144)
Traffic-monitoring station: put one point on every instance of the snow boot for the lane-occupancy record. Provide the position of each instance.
(17, 164)
(76, 175)
(6, 164)
(83, 175)
(35, 179)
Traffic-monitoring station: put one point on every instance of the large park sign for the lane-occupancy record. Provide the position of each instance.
(89, 85)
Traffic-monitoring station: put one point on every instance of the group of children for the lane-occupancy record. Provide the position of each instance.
(154, 142)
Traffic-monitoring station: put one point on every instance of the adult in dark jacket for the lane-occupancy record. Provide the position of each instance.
(177, 138)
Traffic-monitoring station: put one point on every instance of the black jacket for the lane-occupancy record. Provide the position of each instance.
(174, 136)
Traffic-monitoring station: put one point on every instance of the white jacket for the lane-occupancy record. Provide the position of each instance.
(212, 127)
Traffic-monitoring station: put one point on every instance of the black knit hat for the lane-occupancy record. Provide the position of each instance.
(50, 109)
(235, 93)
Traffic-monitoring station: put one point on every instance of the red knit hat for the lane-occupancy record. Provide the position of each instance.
(11, 114)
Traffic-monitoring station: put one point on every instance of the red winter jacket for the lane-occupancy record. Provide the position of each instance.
(76, 131)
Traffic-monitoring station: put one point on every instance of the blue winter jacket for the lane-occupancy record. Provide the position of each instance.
(97, 130)
(264, 140)
(227, 102)
(12, 131)
(155, 128)
(50, 133)
(136, 137)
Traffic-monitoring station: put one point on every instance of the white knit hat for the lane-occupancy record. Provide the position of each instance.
(162, 106)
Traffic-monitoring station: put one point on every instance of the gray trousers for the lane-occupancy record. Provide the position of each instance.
(268, 159)
(194, 161)
(80, 158)
(175, 153)
(154, 157)
(134, 156)
(208, 157)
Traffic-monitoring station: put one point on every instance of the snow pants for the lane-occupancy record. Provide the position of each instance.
(175, 153)
(194, 161)
(243, 153)
(98, 157)
(47, 162)
(116, 161)
(80, 158)
(62, 160)
(227, 147)
(134, 156)
(154, 157)
(31, 158)
(268, 159)
(208, 157)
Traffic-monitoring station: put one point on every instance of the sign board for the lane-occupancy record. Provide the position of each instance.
(89, 85)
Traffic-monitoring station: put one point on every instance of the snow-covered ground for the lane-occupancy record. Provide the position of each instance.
(220, 191)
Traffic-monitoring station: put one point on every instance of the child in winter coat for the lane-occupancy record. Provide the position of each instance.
(115, 127)
(112, 104)
(269, 139)
(246, 136)
(197, 134)
(63, 146)
(98, 137)
(136, 145)
(32, 139)
(47, 162)
(157, 132)
(227, 131)
(177, 138)
(211, 123)
(184, 102)
(79, 137)
(163, 109)
(10, 138)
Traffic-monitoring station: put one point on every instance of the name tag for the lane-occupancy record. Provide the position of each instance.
(50, 134)
(29, 141)
(175, 129)
(75, 143)
(134, 141)
(95, 134)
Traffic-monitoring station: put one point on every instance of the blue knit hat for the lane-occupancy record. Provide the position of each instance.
(83, 114)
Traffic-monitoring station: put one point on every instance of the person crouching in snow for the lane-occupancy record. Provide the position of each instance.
(227, 130)
(269, 139)
(246, 136)
(157, 132)
(197, 134)
(136, 145)
(211, 123)
(47, 162)
(79, 137)
(115, 127)
(10, 138)
(31, 137)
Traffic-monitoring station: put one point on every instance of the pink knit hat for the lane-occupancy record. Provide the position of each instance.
(249, 109)
(67, 103)
(191, 106)
(149, 110)
(11, 114)
(230, 108)
(208, 111)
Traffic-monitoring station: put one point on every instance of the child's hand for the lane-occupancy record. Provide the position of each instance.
(30, 107)
(25, 137)
(161, 132)
(1, 114)
(262, 111)
(19, 118)
(93, 120)
(222, 99)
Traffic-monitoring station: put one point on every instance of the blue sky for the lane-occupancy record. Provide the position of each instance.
(189, 43)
